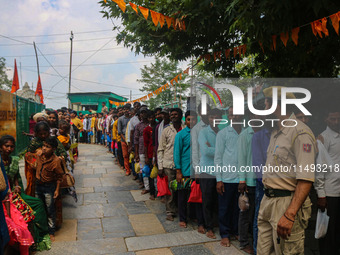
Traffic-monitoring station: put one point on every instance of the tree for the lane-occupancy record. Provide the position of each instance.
(5, 83)
(156, 75)
(218, 25)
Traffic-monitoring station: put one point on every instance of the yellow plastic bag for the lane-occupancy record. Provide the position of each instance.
(132, 156)
(154, 172)
(137, 168)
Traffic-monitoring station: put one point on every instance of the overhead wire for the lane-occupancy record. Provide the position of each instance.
(83, 32)
(102, 64)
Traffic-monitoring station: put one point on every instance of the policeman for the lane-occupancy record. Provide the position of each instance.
(287, 178)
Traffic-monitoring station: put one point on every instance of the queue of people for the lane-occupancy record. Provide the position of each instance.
(201, 163)
(31, 214)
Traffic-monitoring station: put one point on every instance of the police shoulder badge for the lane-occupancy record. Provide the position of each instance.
(307, 147)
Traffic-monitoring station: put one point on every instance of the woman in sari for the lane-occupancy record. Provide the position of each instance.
(17, 224)
(4, 236)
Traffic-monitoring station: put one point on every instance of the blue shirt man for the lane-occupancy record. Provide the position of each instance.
(182, 151)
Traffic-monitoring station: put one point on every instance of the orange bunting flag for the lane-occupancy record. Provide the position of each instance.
(319, 27)
(144, 11)
(172, 82)
(235, 50)
(183, 25)
(274, 41)
(168, 21)
(242, 50)
(134, 7)
(284, 38)
(335, 18)
(227, 53)
(155, 17)
(161, 19)
(121, 4)
(187, 70)
(150, 95)
(295, 35)
(166, 85)
(261, 45)
(217, 55)
(105, 1)
(180, 76)
(174, 24)
(207, 57)
(15, 83)
(176, 79)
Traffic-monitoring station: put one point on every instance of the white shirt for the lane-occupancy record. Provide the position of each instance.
(328, 183)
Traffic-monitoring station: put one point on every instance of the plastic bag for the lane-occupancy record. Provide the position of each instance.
(243, 202)
(146, 171)
(137, 168)
(154, 172)
(162, 186)
(321, 227)
(131, 157)
(195, 193)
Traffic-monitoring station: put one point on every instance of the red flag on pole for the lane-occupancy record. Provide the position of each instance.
(39, 91)
(15, 83)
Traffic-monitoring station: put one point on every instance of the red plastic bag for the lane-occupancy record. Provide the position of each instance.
(195, 194)
(163, 186)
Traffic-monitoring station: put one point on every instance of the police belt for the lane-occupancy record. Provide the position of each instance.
(277, 193)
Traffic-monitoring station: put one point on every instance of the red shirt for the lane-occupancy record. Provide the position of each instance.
(147, 136)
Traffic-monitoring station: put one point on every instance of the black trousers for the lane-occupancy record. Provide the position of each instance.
(330, 243)
(209, 199)
(120, 154)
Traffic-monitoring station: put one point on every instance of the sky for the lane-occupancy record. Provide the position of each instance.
(104, 66)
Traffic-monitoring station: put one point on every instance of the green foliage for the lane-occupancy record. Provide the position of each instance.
(216, 25)
(156, 75)
(5, 83)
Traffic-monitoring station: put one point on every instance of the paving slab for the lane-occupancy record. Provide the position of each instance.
(173, 226)
(95, 198)
(88, 247)
(119, 196)
(191, 250)
(85, 190)
(91, 182)
(163, 251)
(136, 208)
(68, 201)
(83, 212)
(146, 224)
(109, 182)
(68, 232)
(165, 240)
(114, 210)
(99, 170)
(137, 196)
(216, 248)
(156, 206)
(87, 170)
(89, 229)
(117, 227)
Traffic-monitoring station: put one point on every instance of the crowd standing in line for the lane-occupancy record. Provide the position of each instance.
(267, 211)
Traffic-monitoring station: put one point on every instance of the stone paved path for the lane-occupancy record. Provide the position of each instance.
(112, 217)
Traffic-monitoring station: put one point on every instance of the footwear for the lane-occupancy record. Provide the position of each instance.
(182, 224)
(248, 249)
(145, 192)
(128, 173)
(152, 197)
(225, 242)
(141, 186)
(135, 178)
(163, 200)
(170, 217)
(201, 230)
(211, 234)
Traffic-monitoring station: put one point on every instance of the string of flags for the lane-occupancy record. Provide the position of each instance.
(157, 18)
(156, 92)
(319, 29)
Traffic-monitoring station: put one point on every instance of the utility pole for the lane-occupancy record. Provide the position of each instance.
(36, 56)
(69, 81)
(21, 73)
(130, 95)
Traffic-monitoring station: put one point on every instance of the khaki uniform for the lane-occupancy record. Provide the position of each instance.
(293, 148)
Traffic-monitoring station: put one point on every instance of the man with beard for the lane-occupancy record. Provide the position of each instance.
(286, 207)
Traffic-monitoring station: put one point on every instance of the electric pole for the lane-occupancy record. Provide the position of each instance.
(69, 82)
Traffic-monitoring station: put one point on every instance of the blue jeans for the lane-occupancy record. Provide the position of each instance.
(228, 210)
(45, 191)
(259, 192)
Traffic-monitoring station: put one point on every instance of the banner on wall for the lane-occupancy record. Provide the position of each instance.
(7, 113)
